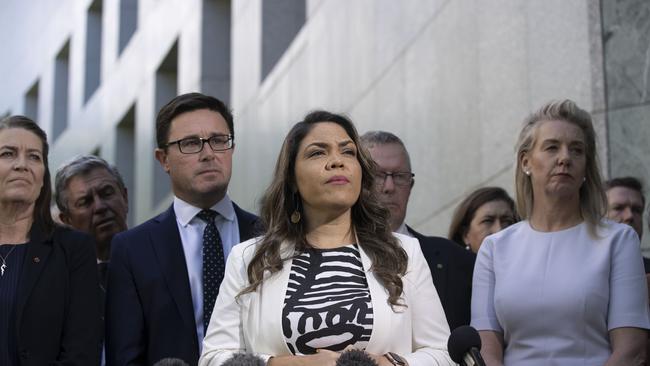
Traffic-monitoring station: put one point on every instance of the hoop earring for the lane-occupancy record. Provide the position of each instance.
(295, 215)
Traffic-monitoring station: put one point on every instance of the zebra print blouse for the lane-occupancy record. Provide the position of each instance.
(327, 304)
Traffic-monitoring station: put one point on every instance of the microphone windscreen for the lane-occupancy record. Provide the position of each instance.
(461, 340)
(355, 357)
(244, 359)
(171, 362)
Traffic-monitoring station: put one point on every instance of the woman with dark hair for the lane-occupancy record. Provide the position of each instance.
(564, 286)
(327, 275)
(49, 290)
(484, 212)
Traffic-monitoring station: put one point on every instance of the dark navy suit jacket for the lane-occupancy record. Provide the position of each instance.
(451, 268)
(58, 301)
(149, 313)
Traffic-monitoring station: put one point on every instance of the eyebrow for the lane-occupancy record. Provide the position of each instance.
(324, 144)
(197, 136)
(15, 148)
(556, 141)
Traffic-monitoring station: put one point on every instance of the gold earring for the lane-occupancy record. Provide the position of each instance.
(295, 217)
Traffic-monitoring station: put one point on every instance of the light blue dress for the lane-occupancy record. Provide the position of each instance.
(555, 295)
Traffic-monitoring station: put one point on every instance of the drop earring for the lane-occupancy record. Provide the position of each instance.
(295, 215)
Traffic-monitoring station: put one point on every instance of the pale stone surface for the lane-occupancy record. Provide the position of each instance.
(626, 27)
(453, 78)
(629, 134)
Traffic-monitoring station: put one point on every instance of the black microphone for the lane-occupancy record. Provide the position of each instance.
(171, 362)
(355, 357)
(464, 346)
(244, 359)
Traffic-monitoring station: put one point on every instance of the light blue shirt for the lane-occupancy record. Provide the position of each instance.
(556, 295)
(191, 229)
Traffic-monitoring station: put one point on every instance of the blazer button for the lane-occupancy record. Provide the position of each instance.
(24, 353)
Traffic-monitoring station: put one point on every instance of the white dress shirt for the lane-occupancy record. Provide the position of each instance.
(402, 229)
(191, 229)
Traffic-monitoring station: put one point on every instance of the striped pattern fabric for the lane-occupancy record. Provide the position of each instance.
(327, 304)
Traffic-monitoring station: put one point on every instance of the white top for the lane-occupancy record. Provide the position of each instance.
(402, 229)
(555, 295)
(253, 322)
(191, 229)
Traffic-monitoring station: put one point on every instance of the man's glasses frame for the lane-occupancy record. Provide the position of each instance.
(195, 144)
(401, 179)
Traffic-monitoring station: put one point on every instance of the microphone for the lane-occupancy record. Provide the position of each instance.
(244, 359)
(464, 346)
(355, 357)
(171, 362)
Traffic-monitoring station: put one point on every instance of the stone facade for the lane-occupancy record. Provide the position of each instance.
(626, 34)
(454, 79)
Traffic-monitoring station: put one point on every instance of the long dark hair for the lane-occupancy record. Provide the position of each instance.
(42, 215)
(369, 218)
(464, 213)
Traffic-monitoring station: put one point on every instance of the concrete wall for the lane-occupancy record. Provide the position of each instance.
(41, 28)
(454, 79)
(626, 27)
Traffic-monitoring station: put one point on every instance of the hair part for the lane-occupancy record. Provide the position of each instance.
(42, 215)
(187, 103)
(369, 218)
(466, 210)
(593, 201)
(81, 166)
(374, 138)
(626, 182)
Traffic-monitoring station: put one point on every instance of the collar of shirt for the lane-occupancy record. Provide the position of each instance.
(185, 212)
(402, 229)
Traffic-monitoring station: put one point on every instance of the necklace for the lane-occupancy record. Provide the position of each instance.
(4, 267)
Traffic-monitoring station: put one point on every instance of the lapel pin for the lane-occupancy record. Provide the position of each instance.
(439, 266)
(37, 259)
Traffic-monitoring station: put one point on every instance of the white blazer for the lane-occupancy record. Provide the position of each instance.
(253, 323)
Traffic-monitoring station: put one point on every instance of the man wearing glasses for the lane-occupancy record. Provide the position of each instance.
(451, 266)
(165, 273)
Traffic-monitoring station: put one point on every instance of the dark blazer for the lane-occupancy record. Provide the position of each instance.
(451, 268)
(149, 313)
(58, 303)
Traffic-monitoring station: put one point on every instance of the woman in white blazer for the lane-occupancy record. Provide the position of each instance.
(328, 275)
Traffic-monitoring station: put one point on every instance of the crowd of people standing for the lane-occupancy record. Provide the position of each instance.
(554, 277)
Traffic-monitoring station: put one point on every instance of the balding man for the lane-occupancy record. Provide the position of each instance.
(91, 197)
(451, 266)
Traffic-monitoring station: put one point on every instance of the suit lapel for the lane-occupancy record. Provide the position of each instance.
(36, 256)
(436, 260)
(166, 243)
(248, 224)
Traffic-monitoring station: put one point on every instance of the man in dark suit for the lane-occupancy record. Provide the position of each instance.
(165, 273)
(451, 266)
(625, 204)
(91, 197)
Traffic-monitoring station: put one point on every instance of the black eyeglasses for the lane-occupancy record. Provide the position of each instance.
(399, 178)
(193, 145)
